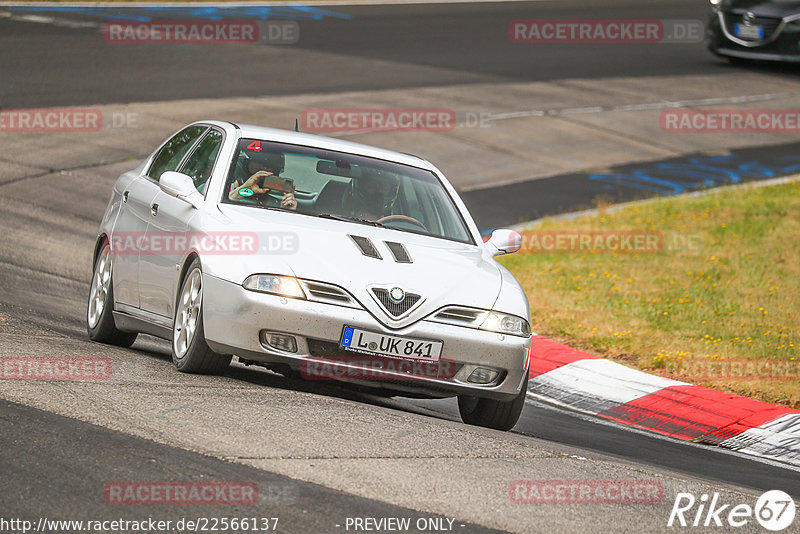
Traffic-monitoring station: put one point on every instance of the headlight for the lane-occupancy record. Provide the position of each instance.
(286, 286)
(506, 324)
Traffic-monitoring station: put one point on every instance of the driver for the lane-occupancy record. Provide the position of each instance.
(259, 166)
(372, 195)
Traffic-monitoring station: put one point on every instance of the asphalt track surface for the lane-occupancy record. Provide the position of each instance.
(48, 65)
(54, 466)
(59, 464)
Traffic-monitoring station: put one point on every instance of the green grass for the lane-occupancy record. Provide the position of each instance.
(734, 296)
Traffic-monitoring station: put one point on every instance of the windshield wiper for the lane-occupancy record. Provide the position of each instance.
(351, 219)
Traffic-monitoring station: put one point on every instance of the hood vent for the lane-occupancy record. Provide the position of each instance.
(366, 247)
(399, 252)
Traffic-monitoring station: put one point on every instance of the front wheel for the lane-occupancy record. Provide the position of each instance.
(190, 352)
(99, 317)
(491, 413)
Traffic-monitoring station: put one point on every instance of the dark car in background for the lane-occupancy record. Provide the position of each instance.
(755, 29)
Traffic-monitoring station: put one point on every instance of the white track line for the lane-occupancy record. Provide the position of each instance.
(652, 106)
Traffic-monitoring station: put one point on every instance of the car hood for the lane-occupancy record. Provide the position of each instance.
(442, 272)
(760, 8)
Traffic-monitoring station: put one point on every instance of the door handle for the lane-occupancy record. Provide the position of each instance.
(125, 197)
(154, 210)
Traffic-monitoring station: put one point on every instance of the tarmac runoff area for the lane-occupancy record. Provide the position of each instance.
(487, 135)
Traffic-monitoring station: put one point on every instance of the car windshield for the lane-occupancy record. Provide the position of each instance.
(337, 185)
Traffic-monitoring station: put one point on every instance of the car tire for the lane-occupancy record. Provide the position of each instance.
(190, 352)
(99, 310)
(491, 413)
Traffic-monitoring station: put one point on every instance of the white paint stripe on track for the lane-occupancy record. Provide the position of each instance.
(55, 21)
(649, 106)
(596, 385)
(34, 18)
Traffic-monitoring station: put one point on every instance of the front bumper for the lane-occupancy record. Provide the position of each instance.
(234, 319)
(782, 43)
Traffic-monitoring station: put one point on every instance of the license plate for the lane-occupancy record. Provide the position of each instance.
(366, 342)
(749, 32)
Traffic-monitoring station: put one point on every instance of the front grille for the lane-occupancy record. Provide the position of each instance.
(395, 309)
(399, 252)
(769, 25)
(366, 247)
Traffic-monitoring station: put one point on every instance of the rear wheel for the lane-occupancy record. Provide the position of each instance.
(190, 352)
(99, 318)
(491, 413)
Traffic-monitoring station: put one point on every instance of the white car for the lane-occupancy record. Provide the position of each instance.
(308, 254)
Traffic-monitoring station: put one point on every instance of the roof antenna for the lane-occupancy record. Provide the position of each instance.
(296, 125)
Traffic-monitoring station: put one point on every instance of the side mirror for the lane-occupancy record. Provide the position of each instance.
(179, 186)
(504, 241)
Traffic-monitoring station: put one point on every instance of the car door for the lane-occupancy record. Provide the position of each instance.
(158, 274)
(130, 225)
(135, 214)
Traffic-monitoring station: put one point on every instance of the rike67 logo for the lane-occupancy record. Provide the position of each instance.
(774, 510)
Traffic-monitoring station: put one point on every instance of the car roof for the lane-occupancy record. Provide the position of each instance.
(264, 133)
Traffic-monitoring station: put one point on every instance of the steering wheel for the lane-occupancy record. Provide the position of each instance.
(404, 218)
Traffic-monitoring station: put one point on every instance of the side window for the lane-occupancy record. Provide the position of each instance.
(171, 154)
(200, 162)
